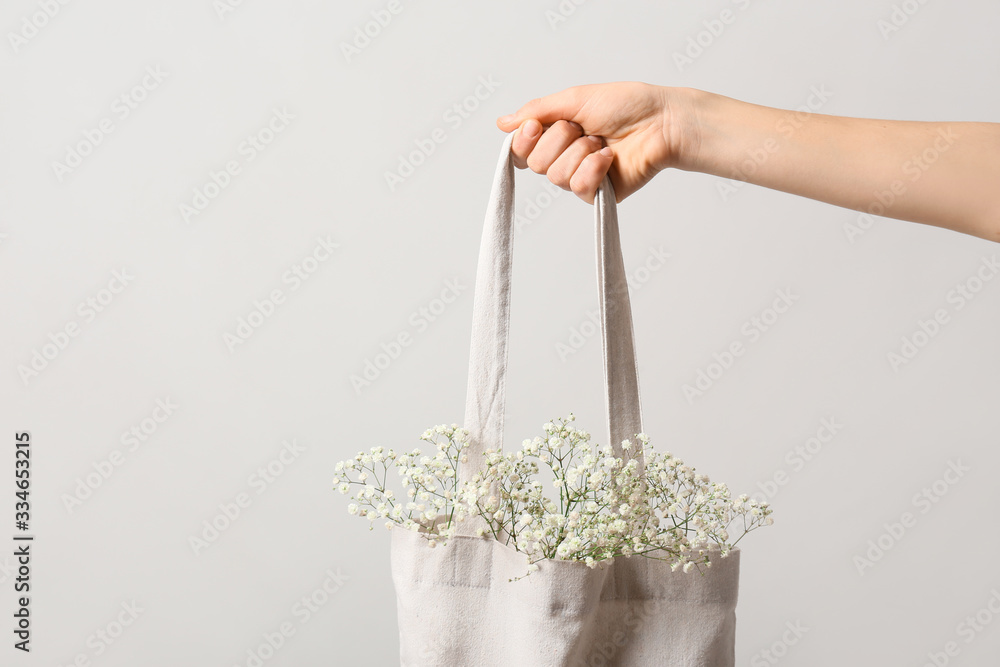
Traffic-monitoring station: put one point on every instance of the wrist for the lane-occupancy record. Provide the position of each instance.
(687, 128)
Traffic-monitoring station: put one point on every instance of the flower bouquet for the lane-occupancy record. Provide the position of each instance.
(560, 496)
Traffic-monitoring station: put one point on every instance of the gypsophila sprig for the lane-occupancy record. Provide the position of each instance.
(429, 483)
(559, 496)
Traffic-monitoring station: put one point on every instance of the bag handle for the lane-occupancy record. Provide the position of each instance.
(485, 400)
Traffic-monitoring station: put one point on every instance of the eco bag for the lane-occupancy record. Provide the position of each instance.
(457, 605)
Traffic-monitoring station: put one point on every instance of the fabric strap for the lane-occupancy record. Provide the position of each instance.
(485, 400)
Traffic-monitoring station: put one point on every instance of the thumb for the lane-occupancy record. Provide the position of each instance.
(564, 105)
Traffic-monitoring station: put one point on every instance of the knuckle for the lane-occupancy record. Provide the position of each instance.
(535, 164)
(562, 184)
(582, 184)
(522, 149)
(559, 176)
(568, 128)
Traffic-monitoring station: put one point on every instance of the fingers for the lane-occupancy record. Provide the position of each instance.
(552, 144)
(571, 160)
(565, 165)
(588, 176)
(538, 148)
(564, 105)
(524, 142)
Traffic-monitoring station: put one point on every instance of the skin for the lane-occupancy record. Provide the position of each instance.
(945, 174)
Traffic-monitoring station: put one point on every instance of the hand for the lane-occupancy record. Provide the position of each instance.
(631, 131)
(576, 136)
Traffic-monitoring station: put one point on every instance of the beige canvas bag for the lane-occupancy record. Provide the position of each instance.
(456, 605)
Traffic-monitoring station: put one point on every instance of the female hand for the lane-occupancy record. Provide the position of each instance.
(936, 173)
(577, 136)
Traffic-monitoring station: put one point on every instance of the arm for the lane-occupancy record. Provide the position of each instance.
(937, 173)
(945, 174)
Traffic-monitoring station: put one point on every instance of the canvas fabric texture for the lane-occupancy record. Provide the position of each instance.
(456, 605)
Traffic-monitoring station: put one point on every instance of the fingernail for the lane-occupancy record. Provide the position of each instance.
(607, 152)
(531, 128)
(506, 119)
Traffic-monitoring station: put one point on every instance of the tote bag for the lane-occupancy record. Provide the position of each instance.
(456, 604)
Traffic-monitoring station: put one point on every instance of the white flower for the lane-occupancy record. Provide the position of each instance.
(603, 506)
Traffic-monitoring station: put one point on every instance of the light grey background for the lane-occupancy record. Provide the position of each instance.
(162, 336)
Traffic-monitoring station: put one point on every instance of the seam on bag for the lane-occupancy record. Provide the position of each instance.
(441, 584)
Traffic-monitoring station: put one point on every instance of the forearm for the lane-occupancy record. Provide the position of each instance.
(939, 173)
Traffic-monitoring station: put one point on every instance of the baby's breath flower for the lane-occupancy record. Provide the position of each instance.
(603, 506)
